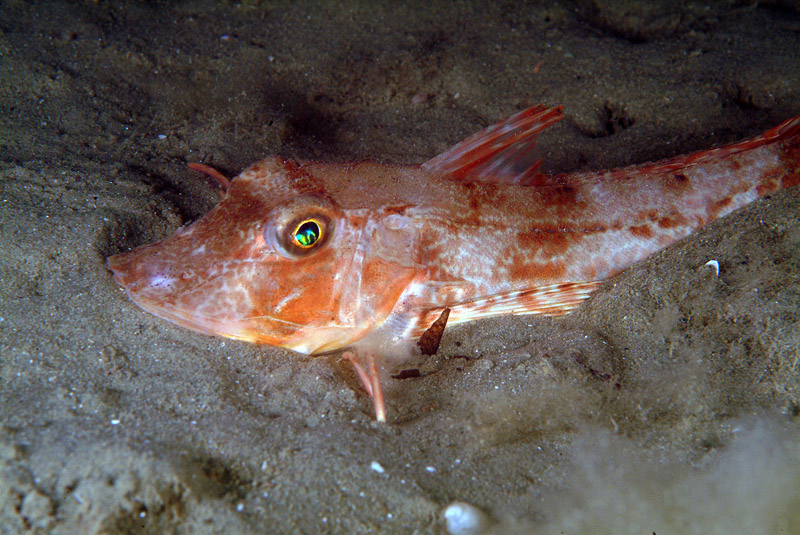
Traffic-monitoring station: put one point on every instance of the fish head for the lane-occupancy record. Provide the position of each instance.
(278, 261)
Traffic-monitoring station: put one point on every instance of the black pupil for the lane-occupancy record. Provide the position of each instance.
(307, 234)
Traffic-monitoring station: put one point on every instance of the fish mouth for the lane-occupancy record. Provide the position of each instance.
(163, 294)
(159, 292)
(266, 330)
(119, 265)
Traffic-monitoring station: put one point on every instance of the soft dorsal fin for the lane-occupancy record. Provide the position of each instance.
(497, 154)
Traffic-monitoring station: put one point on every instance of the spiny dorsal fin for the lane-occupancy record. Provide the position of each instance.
(497, 154)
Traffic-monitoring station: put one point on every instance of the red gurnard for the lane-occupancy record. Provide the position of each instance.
(317, 257)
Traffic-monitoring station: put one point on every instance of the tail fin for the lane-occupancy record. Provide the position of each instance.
(786, 137)
(640, 210)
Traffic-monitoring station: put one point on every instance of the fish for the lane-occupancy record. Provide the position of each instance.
(371, 258)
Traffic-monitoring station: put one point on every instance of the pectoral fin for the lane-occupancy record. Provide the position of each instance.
(554, 300)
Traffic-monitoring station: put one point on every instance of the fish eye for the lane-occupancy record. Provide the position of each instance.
(301, 236)
(300, 227)
(307, 233)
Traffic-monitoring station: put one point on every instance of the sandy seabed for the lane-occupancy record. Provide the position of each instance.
(668, 403)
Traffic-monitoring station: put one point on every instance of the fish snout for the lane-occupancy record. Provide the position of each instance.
(147, 273)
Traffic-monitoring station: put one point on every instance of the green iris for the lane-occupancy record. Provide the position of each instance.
(307, 233)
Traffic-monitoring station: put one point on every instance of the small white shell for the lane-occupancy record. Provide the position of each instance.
(375, 466)
(714, 265)
(464, 519)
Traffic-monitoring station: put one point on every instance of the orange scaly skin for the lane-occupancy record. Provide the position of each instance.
(472, 230)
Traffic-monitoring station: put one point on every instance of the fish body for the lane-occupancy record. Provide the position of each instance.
(317, 257)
